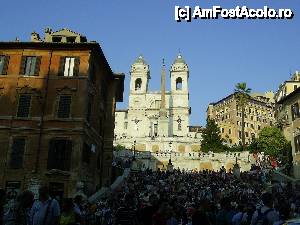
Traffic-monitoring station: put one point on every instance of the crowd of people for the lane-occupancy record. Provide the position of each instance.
(166, 198)
(208, 198)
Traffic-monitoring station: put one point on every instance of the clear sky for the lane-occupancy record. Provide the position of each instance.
(219, 53)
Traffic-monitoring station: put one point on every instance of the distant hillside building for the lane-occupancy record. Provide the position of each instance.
(57, 98)
(259, 113)
(158, 120)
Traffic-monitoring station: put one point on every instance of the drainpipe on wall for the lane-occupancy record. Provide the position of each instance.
(42, 117)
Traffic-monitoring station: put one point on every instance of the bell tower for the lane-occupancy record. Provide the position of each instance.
(179, 74)
(139, 80)
(140, 75)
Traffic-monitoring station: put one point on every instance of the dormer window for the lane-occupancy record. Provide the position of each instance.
(56, 39)
(83, 39)
(71, 39)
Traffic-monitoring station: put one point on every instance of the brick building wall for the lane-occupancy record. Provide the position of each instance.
(92, 92)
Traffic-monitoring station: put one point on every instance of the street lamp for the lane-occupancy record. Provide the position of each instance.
(134, 149)
(170, 145)
(170, 166)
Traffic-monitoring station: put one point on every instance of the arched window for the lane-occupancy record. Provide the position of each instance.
(138, 84)
(178, 83)
(179, 123)
(179, 126)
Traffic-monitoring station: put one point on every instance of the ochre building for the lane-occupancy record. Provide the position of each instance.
(57, 97)
(288, 86)
(259, 113)
(288, 116)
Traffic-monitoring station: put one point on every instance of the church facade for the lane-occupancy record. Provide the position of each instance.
(158, 121)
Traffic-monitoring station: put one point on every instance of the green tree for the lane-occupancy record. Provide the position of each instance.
(212, 140)
(272, 142)
(119, 147)
(242, 94)
(253, 147)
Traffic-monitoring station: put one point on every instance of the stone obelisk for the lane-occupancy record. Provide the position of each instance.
(163, 119)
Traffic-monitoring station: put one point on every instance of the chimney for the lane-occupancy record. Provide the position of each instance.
(35, 37)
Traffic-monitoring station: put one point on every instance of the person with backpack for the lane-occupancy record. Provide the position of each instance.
(46, 211)
(25, 201)
(265, 215)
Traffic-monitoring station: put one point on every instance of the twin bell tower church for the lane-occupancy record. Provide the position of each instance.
(158, 121)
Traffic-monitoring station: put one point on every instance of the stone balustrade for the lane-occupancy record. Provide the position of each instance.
(189, 160)
(243, 156)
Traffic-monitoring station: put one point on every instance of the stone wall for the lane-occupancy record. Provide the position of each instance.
(190, 161)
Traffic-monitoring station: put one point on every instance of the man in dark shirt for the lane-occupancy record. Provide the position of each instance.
(126, 213)
(148, 211)
(201, 217)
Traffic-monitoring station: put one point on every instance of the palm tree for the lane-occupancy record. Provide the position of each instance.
(242, 94)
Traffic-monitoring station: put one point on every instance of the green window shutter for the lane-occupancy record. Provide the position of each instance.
(22, 66)
(5, 66)
(37, 65)
(76, 66)
(61, 66)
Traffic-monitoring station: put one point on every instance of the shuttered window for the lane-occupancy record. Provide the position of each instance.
(59, 154)
(295, 111)
(64, 106)
(17, 153)
(69, 66)
(30, 65)
(297, 143)
(2, 58)
(86, 152)
(24, 106)
(4, 61)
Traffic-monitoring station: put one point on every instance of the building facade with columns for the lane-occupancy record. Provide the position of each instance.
(158, 121)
